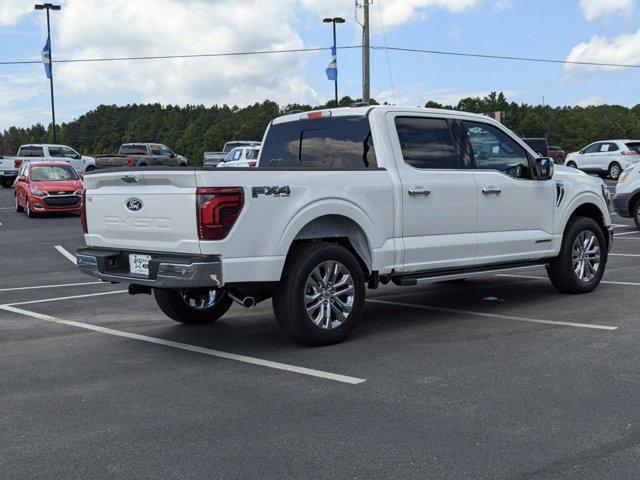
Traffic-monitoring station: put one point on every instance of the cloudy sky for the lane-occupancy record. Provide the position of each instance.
(584, 30)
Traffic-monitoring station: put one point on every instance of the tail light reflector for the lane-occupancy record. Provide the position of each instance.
(17, 163)
(252, 164)
(217, 210)
(128, 161)
(83, 212)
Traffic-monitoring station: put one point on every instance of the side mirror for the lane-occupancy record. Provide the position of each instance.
(581, 151)
(22, 179)
(172, 155)
(544, 168)
(77, 157)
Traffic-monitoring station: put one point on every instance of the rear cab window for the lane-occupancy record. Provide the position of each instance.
(133, 149)
(31, 151)
(342, 142)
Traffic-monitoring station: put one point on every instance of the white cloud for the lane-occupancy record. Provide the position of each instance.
(589, 101)
(624, 49)
(594, 9)
(16, 91)
(503, 4)
(456, 34)
(415, 95)
(125, 28)
(11, 11)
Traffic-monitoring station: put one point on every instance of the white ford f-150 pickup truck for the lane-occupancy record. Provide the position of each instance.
(343, 200)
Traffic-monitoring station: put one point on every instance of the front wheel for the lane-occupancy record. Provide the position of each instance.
(19, 208)
(321, 294)
(572, 165)
(635, 211)
(583, 257)
(90, 168)
(193, 306)
(29, 212)
(6, 183)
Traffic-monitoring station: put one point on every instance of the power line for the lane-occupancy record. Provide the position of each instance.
(319, 49)
(504, 57)
(195, 55)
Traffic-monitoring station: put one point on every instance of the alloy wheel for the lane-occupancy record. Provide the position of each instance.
(585, 256)
(329, 295)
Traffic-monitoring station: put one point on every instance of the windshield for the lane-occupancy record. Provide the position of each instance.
(53, 173)
(133, 149)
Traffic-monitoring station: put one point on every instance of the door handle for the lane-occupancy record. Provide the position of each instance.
(491, 190)
(419, 191)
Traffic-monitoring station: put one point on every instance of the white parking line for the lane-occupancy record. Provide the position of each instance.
(494, 315)
(624, 255)
(44, 300)
(609, 282)
(59, 285)
(67, 254)
(191, 348)
(626, 233)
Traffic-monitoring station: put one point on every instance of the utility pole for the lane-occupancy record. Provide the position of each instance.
(335, 20)
(48, 7)
(366, 92)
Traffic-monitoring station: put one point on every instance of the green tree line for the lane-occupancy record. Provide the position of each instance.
(194, 129)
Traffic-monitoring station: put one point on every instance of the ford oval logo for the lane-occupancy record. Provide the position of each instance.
(134, 205)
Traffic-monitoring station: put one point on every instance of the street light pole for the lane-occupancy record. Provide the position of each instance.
(333, 21)
(48, 7)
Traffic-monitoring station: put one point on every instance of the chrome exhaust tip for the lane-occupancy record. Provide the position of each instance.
(246, 302)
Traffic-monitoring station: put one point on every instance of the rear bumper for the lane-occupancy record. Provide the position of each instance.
(165, 270)
(620, 203)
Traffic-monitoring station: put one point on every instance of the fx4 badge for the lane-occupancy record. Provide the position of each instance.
(276, 191)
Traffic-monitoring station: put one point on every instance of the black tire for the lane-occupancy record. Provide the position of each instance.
(560, 270)
(30, 212)
(289, 297)
(173, 305)
(6, 183)
(19, 208)
(635, 211)
(614, 171)
(572, 165)
(90, 168)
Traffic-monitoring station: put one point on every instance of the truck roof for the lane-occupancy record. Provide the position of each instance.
(366, 110)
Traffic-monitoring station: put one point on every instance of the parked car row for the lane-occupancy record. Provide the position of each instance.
(141, 155)
(212, 159)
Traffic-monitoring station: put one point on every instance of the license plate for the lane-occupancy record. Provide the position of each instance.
(139, 264)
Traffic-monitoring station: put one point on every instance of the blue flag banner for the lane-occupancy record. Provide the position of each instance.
(46, 58)
(332, 69)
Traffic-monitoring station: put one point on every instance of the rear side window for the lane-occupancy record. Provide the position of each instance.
(30, 151)
(252, 154)
(427, 143)
(327, 143)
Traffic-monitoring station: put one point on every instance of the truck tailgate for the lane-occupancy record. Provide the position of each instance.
(142, 211)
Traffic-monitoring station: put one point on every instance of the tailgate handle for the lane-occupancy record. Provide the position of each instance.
(129, 179)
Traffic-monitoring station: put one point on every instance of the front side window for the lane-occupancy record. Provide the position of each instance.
(53, 173)
(328, 143)
(155, 150)
(593, 148)
(69, 152)
(495, 150)
(165, 151)
(427, 143)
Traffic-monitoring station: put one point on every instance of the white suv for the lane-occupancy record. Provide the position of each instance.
(626, 201)
(606, 157)
(241, 157)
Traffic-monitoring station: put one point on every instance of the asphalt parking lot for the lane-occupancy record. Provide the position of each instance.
(496, 377)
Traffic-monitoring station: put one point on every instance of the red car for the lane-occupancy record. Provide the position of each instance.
(46, 187)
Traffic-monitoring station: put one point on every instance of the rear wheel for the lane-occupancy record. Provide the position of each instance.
(90, 168)
(6, 183)
(321, 294)
(193, 305)
(583, 257)
(614, 171)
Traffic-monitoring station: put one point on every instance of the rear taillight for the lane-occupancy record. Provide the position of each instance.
(83, 212)
(17, 163)
(252, 164)
(128, 161)
(217, 209)
(630, 152)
